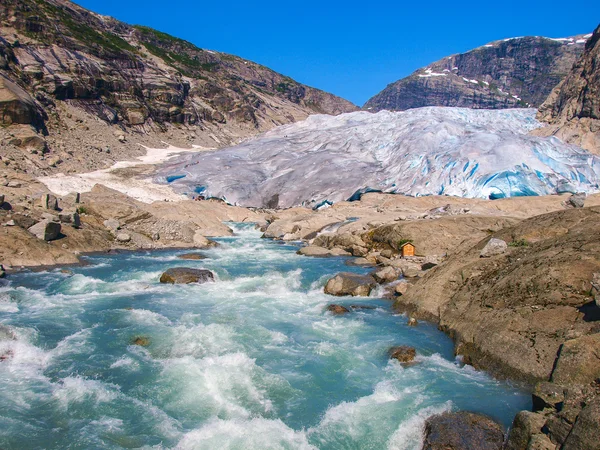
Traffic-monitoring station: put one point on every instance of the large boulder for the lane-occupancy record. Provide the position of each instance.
(46, 230)
(49, 201)
(186, 275)
(461, 431)
(386, 275)
(347, 283)
(577, 200)
(322, 252)
(493, 247)
(402, 353)
(525, 426)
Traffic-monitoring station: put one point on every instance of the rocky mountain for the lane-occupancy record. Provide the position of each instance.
(517, 72)
(64, 70)
(425, 151)
(573, 108)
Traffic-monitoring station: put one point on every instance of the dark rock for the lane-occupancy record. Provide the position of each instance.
(337, 309)
(192, 256)
(428, 265)
(363, 307)
(347, 283)
(462, 431)
(547, 395)
(142, 341)
(185, 275)
(402, 353)
(71, 218)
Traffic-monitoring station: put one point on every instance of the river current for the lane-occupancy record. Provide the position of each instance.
(251, 361)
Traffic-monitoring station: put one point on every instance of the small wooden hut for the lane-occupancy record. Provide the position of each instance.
(407, 249)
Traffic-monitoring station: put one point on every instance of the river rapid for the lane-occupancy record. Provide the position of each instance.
(251, 361)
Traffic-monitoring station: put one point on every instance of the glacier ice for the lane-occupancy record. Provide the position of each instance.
(425, 151)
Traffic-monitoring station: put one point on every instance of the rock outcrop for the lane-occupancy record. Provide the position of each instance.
(461, 431)
(573, 108)
(518, 72)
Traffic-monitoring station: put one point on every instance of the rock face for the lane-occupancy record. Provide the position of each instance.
(573, 108)
(185, 275)
(519, 72)
(347, 283)
(462, 431)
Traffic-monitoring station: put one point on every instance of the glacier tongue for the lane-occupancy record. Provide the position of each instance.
(425, 151)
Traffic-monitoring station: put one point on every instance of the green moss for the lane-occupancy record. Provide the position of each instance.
(519, 243)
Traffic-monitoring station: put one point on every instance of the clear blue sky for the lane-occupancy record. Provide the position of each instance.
(350, 48)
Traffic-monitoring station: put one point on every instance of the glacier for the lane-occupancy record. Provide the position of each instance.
(426, 151)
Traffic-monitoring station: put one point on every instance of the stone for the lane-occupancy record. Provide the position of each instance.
(14, 184)
(112, 224)
(121, 138)
(192, 256)
(385, 275)
(77, 198)
(46, 230)
(577, 200)
(10, 223)
(347, 283)
(49, 201)
(585, 434)
(541, 442)
(412, 322)
(387, 253)
(359, 251)
(578, 361)
(410, 272)
(402, 353)
(462, 431)
(71, 218)
(337, 309)
(322, 252)
(2, 271)
(524, 426)
(494, 247)
(359, 262)
(401, 288)
(596, 288)
(547, 395)
(1, 199)
(186, 275)
(123, 237)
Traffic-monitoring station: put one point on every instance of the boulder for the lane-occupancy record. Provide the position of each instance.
(347, 283)
(547, 395)
(577, 200)
(46, 230)
(385, 275)
(402, 353)
(142, 341)
(186, 275)
(525, 425)
(412, 322)
(401, 288)
(337, 309)
(585, 434)
(578, 361)
(322, 252)
(461, 431)
(359, 262)
(14, 184)
(493, 247)
(49, 201)
(123, 238)
(192, 256)
(112, 224)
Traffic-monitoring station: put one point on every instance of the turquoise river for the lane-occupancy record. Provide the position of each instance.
(251, 361)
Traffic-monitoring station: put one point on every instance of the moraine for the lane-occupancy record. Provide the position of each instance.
(250, 361)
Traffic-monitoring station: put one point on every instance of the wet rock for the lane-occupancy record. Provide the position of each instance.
(46, 230)
(185, 275)
(461, 431)
(385, 275)
(577, 200)
(2, 271)
(192, 256)
(493, 247)
(578, 361)
(347, 283)
(412, 322)
(142, 341)
(312, 250)
(337, 309)
(402, 353)
(362, 307)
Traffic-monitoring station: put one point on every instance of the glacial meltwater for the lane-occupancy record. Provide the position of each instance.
(251, 361)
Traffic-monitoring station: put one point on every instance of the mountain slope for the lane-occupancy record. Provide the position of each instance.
(425, 151)
(55, 55)
(573, 108)
(518, 72)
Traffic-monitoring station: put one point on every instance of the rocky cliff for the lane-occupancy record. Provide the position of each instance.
(518, 72)
(64, 69)
(573, 108)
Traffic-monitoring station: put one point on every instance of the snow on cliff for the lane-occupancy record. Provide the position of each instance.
(425, 151)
